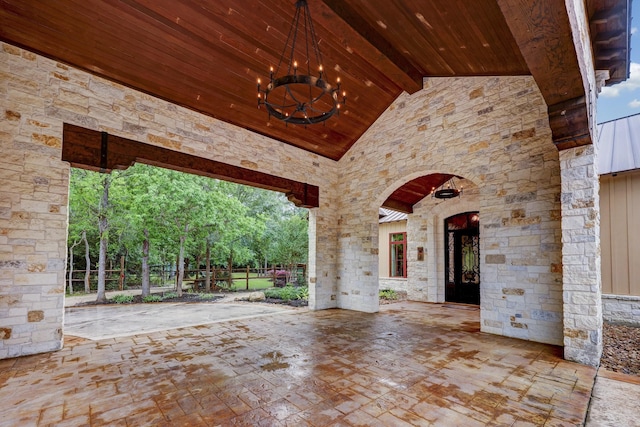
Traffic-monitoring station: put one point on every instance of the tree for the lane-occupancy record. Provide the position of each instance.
(103, 229)
(83, 201)
(228, 228)
(290, 241)
(169, 216)
(142, 203)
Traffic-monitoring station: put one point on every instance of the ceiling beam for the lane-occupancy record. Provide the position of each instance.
(605, 15)
(406, 75)
(100, 151)
(398, 205)
(543, 32)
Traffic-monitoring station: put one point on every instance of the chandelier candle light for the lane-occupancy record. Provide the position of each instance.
(300, 97)
(448, 192)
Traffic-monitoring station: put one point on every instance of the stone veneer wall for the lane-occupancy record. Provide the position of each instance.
(621, 309)
(495, 133)
(492, 131)
(38, 95)
(582, 294)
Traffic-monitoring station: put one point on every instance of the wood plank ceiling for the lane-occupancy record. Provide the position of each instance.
(207, 54)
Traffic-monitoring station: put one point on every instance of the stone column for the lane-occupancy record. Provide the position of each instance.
(322, 259)
(418, 283)
(582, 302)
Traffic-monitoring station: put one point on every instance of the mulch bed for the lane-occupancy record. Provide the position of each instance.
(621, 349)
(292, 303)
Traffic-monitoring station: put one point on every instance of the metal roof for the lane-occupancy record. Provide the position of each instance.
(387, 215)
(619, 145)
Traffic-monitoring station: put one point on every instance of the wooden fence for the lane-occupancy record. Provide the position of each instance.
(221, 278)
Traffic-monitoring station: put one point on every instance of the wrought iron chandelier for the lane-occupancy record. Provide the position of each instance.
(299, 97)
(447, 190)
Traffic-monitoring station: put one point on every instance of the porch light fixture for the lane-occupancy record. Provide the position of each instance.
(448, 190)
(300, 97)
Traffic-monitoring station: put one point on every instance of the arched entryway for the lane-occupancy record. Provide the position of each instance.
(462, 258)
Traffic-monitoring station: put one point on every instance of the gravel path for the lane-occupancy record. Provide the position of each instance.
(621, 352)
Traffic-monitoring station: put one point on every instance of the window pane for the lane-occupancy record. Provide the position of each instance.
(397, 260)
(397, 237)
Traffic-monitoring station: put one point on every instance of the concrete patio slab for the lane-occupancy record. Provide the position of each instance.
(409, 364)
(615, 400)
(111, 321)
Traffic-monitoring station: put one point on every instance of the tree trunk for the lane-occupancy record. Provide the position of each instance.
(87, 259)
(71, 270)
(146, 288)
(181, 261)
(230, 269)
(71, 266)
(196, 283)
(103, 227)
(207, 272)
(121, 278)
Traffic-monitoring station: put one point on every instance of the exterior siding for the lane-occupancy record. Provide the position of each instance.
(620, 238)
(383, 245)
(620, 242)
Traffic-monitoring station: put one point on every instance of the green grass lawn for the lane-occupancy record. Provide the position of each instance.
(240, 284)
(255, 282)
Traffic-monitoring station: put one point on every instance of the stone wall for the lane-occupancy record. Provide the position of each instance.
(582, 295)
(38, 95)
(495, 133)
(394, 283)
(621, 309)
(492, 131)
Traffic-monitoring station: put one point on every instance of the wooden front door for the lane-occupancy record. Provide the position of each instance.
(462, 258)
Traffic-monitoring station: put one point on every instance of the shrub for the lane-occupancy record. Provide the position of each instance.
(303, 293)
(388, 294)
(152, 298)
(288, 293)
(203, 295)
(122, 299)
(169, 295)
(272, 293)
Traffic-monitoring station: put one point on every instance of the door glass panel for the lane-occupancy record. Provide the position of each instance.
(451, 271)
(462, 258)
(470, 260)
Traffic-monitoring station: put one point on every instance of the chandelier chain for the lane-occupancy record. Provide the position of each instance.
(305, 97)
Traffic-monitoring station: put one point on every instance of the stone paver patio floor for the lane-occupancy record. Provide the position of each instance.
(410, 364)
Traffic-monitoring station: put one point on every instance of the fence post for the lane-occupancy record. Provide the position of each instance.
(247, 277)
(121, 280)
(275, 276)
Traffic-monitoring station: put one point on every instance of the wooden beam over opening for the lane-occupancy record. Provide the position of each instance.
(99, 151)
(543, 32)
(569, 123)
